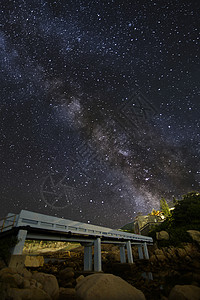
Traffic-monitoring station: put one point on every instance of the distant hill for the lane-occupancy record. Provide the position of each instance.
(128, 227)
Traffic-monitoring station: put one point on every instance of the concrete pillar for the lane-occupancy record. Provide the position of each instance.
(17, 259)
(140, 252)
(129, 252)
(18, 249)
(97, 255)
(88, 257)
(146, 253)
(122, 254)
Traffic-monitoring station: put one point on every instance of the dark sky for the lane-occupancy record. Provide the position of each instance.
(99, 106)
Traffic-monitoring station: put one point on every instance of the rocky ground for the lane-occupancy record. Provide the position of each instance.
(170, 273)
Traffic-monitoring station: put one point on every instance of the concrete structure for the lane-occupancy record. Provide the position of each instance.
(143, 224)
(35, 226)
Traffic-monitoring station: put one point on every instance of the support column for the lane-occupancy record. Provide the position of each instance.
(129, 252)
(140, 252)
(18, 248)
(122, 254)
(146, 253)
(97, 255)
(17, 259)
(88, 257)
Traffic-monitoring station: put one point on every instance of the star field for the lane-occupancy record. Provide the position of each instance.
(99, 106)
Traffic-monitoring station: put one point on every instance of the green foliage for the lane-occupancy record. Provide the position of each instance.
(164, 207)
(185, 216)
(187, 210)
(6, 244)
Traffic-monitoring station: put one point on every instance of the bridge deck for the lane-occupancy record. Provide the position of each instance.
(62, 226)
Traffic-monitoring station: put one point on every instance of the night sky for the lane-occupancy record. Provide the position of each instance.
(99, 106)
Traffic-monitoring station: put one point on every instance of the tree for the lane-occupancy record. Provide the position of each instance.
(187, 210)
(164, 207)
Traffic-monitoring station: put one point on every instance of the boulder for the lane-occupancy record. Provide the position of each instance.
(158, 252)
(185, 292)
(161, 257)
(66, 274)
(68, 294)
(34, 261)
(181, 252)
(79, 278)
(106, 287)
(26, 274)
(18, 279)
(28, 294)
(9, 280)
(6, 270)
(49, 284)
(162, 235)
(195, 235)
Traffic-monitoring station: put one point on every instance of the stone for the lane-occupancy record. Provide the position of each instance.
(171, 253)
(106, 287)
(26, 274)
(153, 259)
(26, 283)
(28, 294)
(113, 256)
(33, 282)
(158, 252)
(79, 278)
(49, 283)
(67, 294)
(18, 279)
(161, 257)
(34, 261)
(162, 235)
(181, 252)
(6, 270)
(9, 280)
(185, 292)
(195, 235)
(66, 273)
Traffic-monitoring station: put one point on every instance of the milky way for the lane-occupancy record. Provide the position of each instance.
(99, 107)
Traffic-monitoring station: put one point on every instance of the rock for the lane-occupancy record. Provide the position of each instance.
(18, 279)
(106, 287)
(26, 283)
(162, 235)
(153, 259)
(67, 294)
(181, 252)
(113, 256)
(188, 259)
(171, 253)
(158, 252)
(66, 273)
(161, 257)
(49, 283)
(185, 292)
(195, 235)
(6, 270)
(29, 294)
(79, 278)
(26, 274)
(9, 280)
(34, 261)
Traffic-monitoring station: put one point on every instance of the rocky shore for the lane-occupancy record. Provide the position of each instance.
(171, 273)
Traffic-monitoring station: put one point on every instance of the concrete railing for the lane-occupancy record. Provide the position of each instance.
(36, 220)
